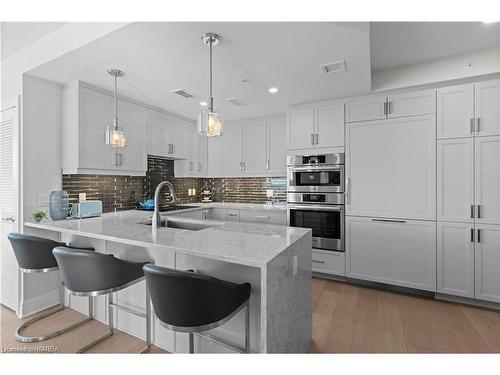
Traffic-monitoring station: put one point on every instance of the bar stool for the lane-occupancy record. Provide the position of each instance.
(89, 274)
(191, 302)
(34, 255)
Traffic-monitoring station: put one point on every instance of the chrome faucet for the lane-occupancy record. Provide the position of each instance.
(156, 219)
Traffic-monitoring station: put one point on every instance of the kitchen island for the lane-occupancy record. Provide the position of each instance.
(275, 259)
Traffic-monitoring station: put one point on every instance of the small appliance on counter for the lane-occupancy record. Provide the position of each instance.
(206, 194)
(86, 209)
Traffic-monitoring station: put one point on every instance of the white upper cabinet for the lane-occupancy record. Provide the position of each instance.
(86, 113)
(488, 108)
(366, 108)
(487, 190)
(319, 125)
(487, 262)
(232, 149)
(455, 180)
(411, 104)
(455, 259)
(329, 125)
(397, 252)
(254, 146)
(158, 134)
(134, 120)
(300, 132)
(214, 161)
(455, 111)
(178, 138)
(391, 168)
(201, 154)
(276, 146)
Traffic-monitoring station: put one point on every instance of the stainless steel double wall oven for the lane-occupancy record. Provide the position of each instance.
(315, 196)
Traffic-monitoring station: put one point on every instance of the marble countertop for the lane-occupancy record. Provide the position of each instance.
(250, 244)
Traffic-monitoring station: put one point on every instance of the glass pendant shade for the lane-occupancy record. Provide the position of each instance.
(210, 124)
(116, 137)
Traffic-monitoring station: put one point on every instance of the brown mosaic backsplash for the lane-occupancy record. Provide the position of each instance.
(119, 193)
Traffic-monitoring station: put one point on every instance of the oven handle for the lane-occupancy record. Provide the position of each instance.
(313, 168)
(316, 207)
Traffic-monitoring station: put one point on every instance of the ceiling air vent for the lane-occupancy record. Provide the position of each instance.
(334, 67)
(184, 93)
(237, 102)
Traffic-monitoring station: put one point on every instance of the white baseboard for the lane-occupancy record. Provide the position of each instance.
(38, 303)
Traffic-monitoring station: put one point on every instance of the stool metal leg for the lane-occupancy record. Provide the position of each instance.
(21, 338)
(148, 322)
(110, 312)
(191, 343)
(247, 327)
(110, 325)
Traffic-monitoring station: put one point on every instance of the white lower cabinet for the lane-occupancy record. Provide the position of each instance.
(216, 214)
(455, 259)
(328, 262)
(397, 252)
(487, 262)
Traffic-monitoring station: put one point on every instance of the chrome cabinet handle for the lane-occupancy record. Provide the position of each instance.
(389, 221)
(478, 211)
(121, 159)
(11, 219)
(478, 125)
(199, 167)
(479, 236)
(471, 234)
(267, 165)
(385, 108)
(312, 139)
(173, 148)
(472, 211)
(316, 136)
(244, 165)
(389, 108)
(472, 125)
(232, 214)
(318, 261)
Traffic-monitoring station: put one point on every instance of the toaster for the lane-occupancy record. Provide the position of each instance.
(87, 209)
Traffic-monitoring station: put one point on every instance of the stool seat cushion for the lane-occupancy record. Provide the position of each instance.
(189, 299)
(86, 271)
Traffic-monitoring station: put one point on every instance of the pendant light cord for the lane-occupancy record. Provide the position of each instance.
(115, 120)
(211, 108)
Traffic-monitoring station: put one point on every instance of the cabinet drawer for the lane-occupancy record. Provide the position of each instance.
(411, 104)
(232, 215)
(330, 262)
(366, 108)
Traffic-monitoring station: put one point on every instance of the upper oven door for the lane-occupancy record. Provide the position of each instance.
(326, 222)
(316, 179)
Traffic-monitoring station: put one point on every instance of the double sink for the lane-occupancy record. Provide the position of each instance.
(178, 224)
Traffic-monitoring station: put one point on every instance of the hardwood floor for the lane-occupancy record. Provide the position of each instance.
(354, 319)
(346, 319)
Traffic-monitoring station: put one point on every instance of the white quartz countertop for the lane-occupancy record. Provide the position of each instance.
(251, 244)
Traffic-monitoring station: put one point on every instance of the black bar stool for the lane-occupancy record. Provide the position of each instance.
(34, 255)
(89, 274)
(191, 302)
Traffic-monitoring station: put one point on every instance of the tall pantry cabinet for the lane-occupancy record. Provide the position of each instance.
(468, 190)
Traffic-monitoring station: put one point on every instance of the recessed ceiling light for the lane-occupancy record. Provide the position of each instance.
(273, 90)
(203, 104)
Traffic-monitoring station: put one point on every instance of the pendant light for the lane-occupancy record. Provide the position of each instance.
(115, 135)
(210, 122)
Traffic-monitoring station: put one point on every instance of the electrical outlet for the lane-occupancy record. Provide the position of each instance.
(295, 265)
(82, 197)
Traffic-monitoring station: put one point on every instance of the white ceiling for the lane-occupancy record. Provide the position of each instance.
(17, 35)
(402, 43)
(158, 57)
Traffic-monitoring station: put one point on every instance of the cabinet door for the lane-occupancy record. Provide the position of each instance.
(455, 259)
(455, 111)
(215, 156)
(254, 147)
(488, 107)
(487, 262)
(232, 153)
(134, 121)
(201, 154)
(299, 129)
(488, 179)
(411, 104)
(96, 111)
(217, 214)
(366, 108)
(232, 215)
(455, 179)
(191, 151)
(329, 125)
(277, 217)
(158, 135)
(399, 253)
(276, 146)
(178, 138)
(391, 170)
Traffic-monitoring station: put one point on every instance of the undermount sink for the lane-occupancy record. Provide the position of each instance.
(178, 225)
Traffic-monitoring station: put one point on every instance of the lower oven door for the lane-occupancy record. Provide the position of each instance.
(326, 222)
